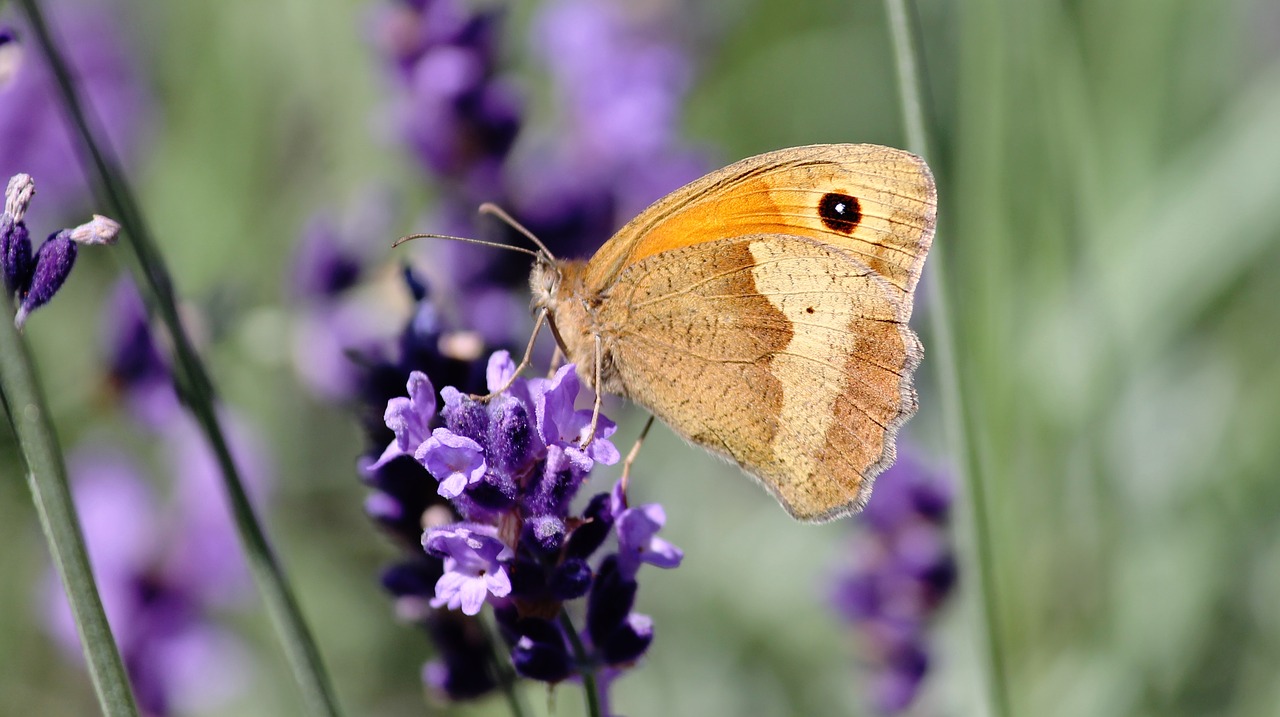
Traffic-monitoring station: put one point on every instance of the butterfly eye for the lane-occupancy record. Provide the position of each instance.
(840, 212)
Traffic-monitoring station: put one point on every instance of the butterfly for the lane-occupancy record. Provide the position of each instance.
(761, 312)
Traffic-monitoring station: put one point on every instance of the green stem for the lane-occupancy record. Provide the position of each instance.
(47, 479)
(192, 380)
(958, 438)
(589, 686)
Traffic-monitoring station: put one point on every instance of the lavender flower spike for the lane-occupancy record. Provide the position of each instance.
(473, 557)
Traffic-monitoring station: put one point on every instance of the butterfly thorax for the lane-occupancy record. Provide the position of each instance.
(572, 307)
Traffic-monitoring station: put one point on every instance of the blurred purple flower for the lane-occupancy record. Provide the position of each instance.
(902, 569)
(454, 110)
(178, 657)
(325, 263)
(136, 370)
(205, 554)
(34, 135)
(619, 85)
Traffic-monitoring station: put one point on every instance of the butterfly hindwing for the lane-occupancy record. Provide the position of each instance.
(782, 353)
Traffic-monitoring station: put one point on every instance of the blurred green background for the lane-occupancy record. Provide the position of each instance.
(1109, 183)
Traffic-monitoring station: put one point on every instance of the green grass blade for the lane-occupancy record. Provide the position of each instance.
(958, 437)
(47, 479)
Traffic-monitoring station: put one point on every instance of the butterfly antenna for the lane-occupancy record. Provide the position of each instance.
(481, 242)
(496, 211)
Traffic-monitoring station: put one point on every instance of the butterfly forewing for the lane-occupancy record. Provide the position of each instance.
(878, 203)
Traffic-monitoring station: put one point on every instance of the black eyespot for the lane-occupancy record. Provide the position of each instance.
(840, 212)
(810, 309)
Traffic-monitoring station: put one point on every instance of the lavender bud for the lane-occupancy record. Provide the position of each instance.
(467, 418)
(544, 534)
(17, 196)
(99, 230)
(588, 536)
(511, 437)
(15, 255)
(53, 264)
(610, 601)
(571, 579)
(416, 577)
(540, 653)
(629, 641)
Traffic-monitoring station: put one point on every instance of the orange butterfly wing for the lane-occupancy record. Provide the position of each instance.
(782, 192)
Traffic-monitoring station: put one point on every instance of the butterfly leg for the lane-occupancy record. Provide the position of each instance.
(595, 410)
(557, 358)
(524, 362)
(635, 451)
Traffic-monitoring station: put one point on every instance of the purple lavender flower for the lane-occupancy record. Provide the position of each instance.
(409, 419)
(458, 115)
(638, 542)
(903, 568)
(523, 551)
(560, 425)
(34, 133)
(456, 461)
(473, 565)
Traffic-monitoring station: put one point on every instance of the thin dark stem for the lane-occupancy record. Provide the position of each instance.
(959, 439)
(588, 670)
(503, 674)
(47, 478)
(191, 378)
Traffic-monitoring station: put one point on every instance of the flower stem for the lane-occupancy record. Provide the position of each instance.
(588, 670)
(503, 674)
(958, 438)
(47, 478)
(191, 379)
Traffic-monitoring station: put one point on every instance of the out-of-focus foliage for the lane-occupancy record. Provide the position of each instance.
(1108, 176)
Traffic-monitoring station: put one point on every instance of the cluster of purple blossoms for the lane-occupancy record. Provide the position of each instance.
(32, 278)
(903, 569)
(510, 468)
(165, 572)
(404, 495)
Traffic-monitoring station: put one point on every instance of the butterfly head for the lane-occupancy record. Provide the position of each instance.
(544, 282)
